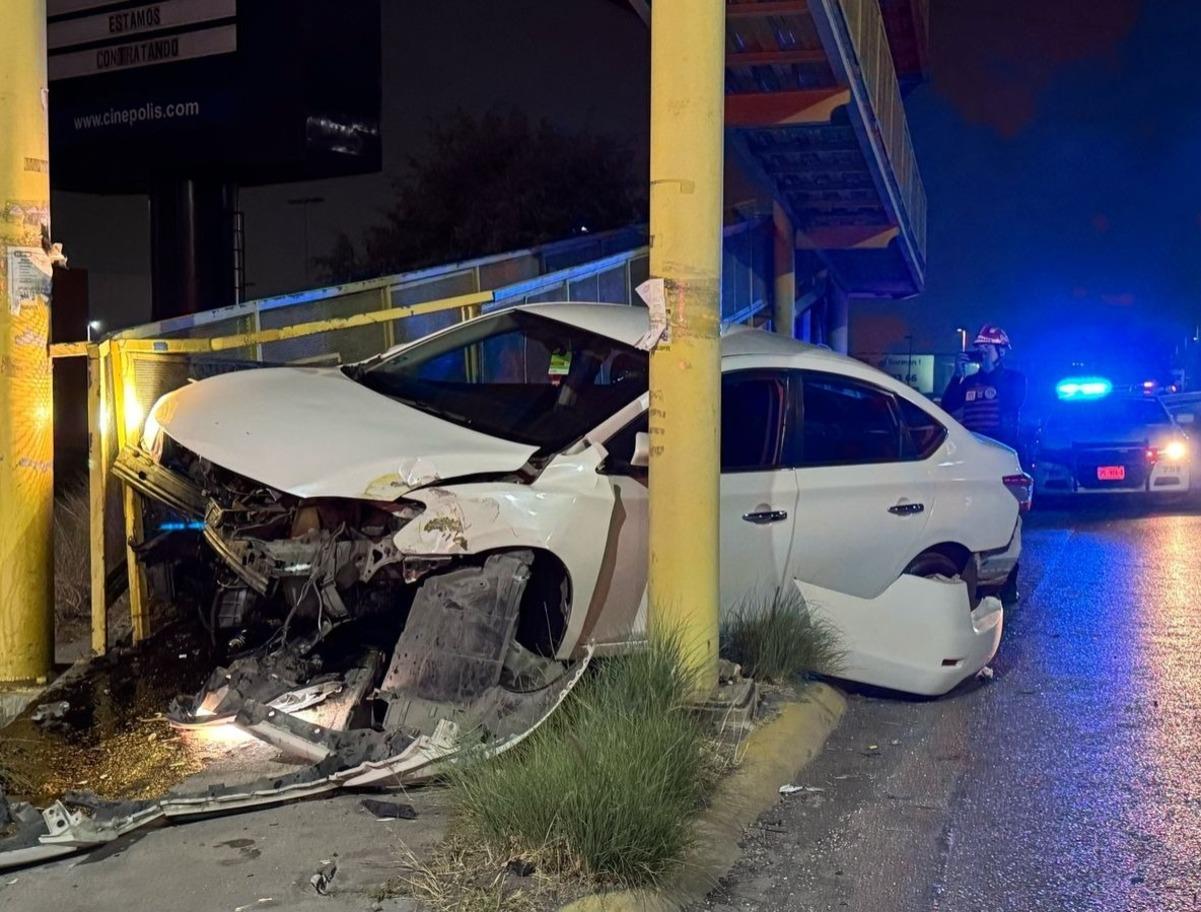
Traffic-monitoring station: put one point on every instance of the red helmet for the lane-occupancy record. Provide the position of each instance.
(992, 335)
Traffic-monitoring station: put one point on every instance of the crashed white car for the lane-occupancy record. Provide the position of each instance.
(418, 555)
(506, 456)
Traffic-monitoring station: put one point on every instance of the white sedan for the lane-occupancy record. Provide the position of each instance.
(515, 444)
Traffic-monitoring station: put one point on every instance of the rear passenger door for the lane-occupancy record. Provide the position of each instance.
(758, 481)
(865, 487)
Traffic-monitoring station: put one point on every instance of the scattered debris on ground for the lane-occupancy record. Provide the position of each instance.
(389, 810)
(325, 876)
(336, 708)
(795, 789)
(50, 712)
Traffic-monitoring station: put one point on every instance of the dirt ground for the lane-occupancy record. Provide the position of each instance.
(111, 738)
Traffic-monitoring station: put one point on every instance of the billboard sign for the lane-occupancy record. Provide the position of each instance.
(247, 91)
(129, 24)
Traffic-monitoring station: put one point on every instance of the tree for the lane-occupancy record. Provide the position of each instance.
(493, 184)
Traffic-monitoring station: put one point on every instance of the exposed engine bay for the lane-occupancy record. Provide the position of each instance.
(412, 660)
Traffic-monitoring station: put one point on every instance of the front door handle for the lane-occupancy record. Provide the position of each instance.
(907, 509)
(763, 517)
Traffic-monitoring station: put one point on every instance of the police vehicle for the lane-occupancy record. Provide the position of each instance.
(1100, 440)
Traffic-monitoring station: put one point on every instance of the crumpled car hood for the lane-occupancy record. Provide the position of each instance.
(314, 432)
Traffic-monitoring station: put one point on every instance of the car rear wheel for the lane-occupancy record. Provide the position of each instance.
(931, 564)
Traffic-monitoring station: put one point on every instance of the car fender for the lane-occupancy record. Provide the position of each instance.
(566, 512)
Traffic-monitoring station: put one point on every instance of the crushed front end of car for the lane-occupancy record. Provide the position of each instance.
(364, 665)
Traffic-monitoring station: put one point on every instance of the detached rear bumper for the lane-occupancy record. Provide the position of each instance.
(918, 636)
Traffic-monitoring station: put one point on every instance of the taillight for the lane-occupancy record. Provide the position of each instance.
(1021, 486)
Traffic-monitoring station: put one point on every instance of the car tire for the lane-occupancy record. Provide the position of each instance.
(937, 563)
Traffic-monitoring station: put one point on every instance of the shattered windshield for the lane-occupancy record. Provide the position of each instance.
(516, 375)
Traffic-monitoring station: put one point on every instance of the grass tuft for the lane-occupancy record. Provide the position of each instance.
(773, 637)
(608, 787)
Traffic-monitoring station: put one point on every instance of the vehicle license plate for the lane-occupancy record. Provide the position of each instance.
(1111, 473)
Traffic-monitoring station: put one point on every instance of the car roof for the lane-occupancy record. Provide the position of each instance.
(626, 323)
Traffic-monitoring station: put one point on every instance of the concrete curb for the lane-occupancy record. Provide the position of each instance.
(775, 754)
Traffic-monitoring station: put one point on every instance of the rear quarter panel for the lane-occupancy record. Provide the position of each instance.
(973, 507)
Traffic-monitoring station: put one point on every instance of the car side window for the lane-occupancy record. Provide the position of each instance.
(923, 433)
(848, 422)
(754, 420)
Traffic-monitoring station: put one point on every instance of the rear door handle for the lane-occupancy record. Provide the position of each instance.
(763, 517)
(907, 509)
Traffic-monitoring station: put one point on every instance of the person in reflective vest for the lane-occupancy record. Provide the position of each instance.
(989, 401)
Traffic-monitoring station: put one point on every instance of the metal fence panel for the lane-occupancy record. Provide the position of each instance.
(350, 345)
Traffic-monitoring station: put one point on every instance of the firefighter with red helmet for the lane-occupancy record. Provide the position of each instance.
(989, 401)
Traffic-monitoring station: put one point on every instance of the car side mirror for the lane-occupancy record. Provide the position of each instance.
(642, 450)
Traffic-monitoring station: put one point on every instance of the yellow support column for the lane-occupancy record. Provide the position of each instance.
(99, 424)
(26, 406)
(784, 260)
(687, 112)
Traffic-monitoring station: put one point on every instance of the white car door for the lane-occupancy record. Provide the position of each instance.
(758, 482)
(758, 505)
(865, 490)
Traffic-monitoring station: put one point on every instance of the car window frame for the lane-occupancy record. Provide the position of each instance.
(639, 409)
(849, 380)
(788, 446)
(932, 451)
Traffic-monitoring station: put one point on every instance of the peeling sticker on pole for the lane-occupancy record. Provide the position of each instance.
(29, 274)
(653, 294)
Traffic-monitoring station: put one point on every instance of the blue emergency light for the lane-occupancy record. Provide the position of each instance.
(192, 524)
(1081, 388)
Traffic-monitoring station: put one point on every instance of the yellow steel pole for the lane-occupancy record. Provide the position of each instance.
(784, 260)
(26, 406)
(687, 112)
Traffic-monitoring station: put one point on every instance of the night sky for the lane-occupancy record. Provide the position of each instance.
(1059, 142)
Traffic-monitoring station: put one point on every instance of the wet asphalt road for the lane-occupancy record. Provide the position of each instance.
(1070, 781)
